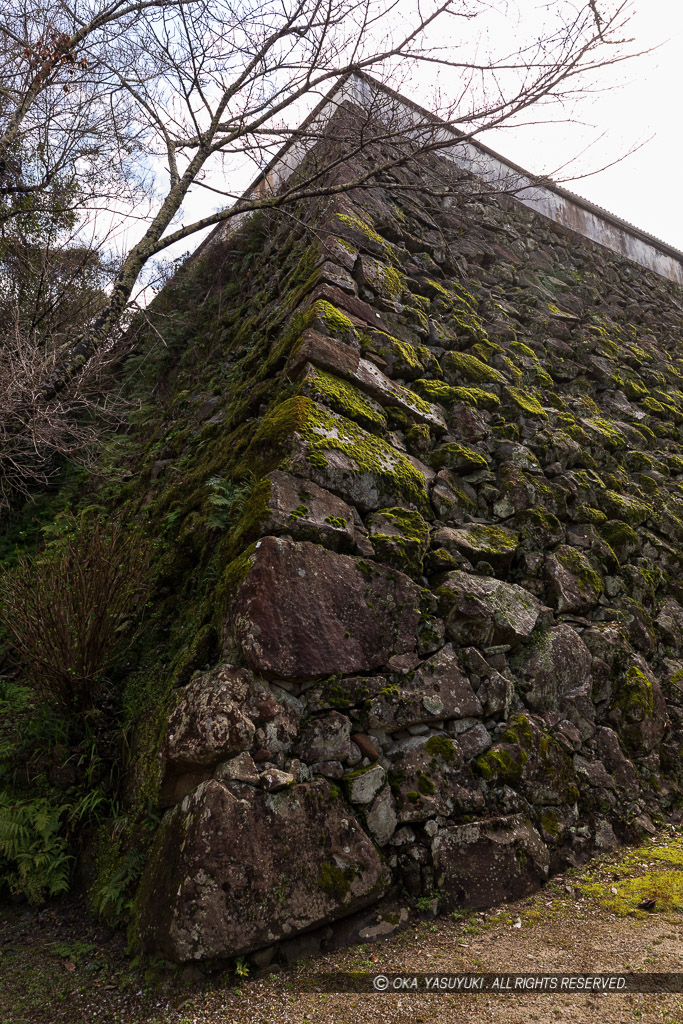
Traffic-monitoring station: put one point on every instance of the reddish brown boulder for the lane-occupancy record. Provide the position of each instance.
(488, 862)
(303, 611)
(233, 873)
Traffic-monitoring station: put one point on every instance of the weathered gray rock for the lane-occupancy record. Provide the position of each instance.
(228, 874)
(486, 611)
(616, 762)
(307, 512)
(325, 739)
(303, 611)
(362, 786)
(381, 817)
(273, 779)
(452, 498)
(208, 725)
(438, 690)
(554, 674)
(474, 741)
(238, 769)
(488, 862)
(669, 624)
(496, 694)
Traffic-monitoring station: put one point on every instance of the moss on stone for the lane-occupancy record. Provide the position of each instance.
(425, 784)
(459, 365)
(344, 398)
(334, 881)
(459, 457)
(635, 695)
(610, 435)
(620, 536)
(441, 747)
(324, 432)
(587, 514)
(626, 507)
(501, 764)
(525, 401)
(400, 355)
(550, 823)
(436, 391)
(520, 731)
(337, 521)
(364, 226)
(233, 577)
(199, 655)
(405, 540)
(491, 540)
(330, 319)
(588, 579)
(393, 281)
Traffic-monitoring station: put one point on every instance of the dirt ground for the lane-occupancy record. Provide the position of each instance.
(59, 967)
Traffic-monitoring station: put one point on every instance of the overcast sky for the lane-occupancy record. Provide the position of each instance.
(645, 187)
(635, 105)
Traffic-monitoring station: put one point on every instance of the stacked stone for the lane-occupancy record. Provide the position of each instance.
(453, 659)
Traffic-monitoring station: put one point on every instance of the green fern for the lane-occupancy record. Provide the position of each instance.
(226, 500)
(34, 858)
(111, 899)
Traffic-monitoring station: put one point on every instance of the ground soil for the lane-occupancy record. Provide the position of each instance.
(57, 966)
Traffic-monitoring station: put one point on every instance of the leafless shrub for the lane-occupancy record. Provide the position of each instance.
(73, 610)
(38, 433)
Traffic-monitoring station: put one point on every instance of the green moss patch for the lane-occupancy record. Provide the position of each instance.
(459, 457)
(652, 871)
(459, 366)
(526, 401)
(345, 399)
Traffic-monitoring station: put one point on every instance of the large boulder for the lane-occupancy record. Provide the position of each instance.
(554, 674)
(488, 862)
(436, 691)
(300, 508)
(484, 611)
(303, 611)
(236, 869)
(208, 724)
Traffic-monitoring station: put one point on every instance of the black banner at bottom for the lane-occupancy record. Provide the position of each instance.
(508, 984)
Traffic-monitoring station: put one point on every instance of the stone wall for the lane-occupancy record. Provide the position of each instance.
(451, 654)
(500, 174)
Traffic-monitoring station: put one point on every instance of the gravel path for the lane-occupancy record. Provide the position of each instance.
(57, 967)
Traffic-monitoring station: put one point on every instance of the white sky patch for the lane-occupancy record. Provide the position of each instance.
(627, 123)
